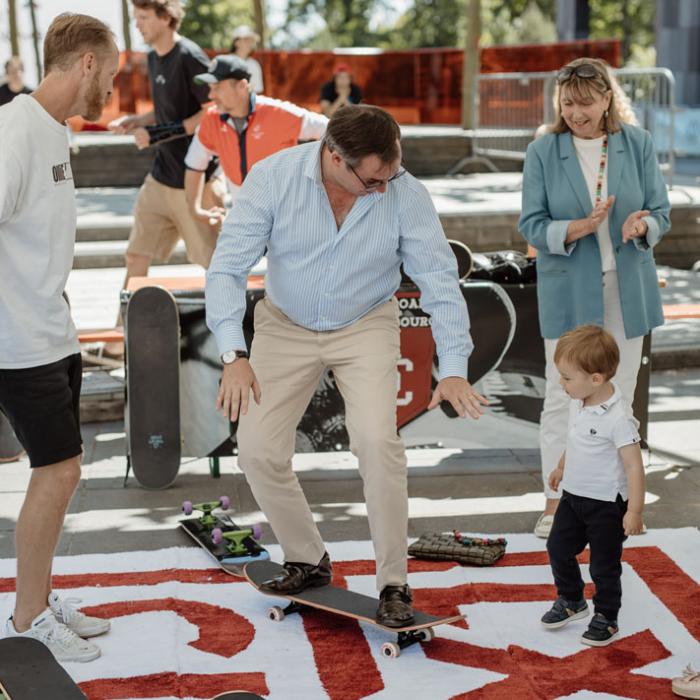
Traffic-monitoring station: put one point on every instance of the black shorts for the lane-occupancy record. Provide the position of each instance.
(43, 406)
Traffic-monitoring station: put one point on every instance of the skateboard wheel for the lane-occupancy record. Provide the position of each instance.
(187, 507)
(427, 634)
(275, 613)
(391, 650)
(217, 536)
(257, 531)
(225, 502)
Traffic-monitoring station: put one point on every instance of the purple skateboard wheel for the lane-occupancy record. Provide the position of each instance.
(217, 536)
(225, 502)
(257, 531)
(187, 507)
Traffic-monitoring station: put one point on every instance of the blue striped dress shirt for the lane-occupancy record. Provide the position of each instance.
(324, 278)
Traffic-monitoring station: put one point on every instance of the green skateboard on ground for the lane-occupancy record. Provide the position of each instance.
(340, 601)
(29, 671)
(229, 544)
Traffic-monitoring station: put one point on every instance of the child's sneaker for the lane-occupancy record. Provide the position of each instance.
(689, 685)
(543, 526)
(564, 611)
(600, 632)
(63, 643)
(68, 614)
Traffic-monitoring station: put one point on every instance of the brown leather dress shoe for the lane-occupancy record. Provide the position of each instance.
(298, 576)
(395, 608)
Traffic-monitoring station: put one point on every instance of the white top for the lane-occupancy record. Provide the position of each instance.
(589, 152)
(256, 76)
(37, 236)
(593, 467)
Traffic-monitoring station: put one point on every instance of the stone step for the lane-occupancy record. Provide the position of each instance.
(101, 254)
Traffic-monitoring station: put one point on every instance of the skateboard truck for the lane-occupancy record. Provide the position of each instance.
(207, 520)
(391, 650)
(234, 539)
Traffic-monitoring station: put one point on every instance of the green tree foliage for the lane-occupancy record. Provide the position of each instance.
(430, 23)
(347, 21)
(210, 23)
(631, 21)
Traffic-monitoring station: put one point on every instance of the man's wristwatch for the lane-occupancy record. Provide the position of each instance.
(230, 356)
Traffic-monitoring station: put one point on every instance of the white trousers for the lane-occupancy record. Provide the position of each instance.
(555, 412)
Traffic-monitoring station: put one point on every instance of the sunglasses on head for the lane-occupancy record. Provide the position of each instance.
(585, 70)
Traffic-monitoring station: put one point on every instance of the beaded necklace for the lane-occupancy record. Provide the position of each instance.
(601, 169)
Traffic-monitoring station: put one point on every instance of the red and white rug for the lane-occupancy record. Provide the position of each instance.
(182, 629)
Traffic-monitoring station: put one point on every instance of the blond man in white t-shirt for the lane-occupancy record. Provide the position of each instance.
(602, 479)
(40, 367)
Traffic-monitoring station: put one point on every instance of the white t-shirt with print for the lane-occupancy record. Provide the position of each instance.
(589, 152)
(37, 236)
(593, 467)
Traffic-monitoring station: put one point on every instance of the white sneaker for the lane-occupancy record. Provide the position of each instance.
(68, 614)
(63, 643)
(544, 525)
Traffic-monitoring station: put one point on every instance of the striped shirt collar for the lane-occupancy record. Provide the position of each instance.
(312, 170)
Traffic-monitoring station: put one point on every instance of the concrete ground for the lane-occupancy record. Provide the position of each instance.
(490, 490)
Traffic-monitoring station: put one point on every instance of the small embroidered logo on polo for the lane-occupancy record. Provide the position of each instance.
(160, 79)
(594, 431)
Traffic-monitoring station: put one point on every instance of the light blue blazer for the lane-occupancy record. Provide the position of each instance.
(569, 277)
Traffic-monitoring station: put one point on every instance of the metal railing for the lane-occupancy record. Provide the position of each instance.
(509, 108)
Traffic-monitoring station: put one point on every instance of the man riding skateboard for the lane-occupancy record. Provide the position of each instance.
(241, 129)
(40, 366)
(338, 218)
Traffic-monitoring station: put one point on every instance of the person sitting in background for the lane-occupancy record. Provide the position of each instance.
(340, 91)
(14, 72)
(245, 41)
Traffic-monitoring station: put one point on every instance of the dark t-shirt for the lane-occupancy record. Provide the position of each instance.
(176, 97)
(7, 95)
(329, 93)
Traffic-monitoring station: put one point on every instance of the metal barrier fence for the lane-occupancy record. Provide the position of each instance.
(511, 106)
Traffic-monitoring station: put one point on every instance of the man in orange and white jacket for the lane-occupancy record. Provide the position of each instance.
(241, 129)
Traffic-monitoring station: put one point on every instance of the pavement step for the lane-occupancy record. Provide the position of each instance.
(101, 254)
(113, 228)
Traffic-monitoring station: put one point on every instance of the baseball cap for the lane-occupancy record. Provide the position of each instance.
(342, 68)
(245, 32)
(224, 67)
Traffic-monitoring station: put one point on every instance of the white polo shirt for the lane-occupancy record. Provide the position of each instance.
(593, 466)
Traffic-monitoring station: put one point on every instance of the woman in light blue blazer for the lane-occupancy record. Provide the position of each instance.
(594, 206)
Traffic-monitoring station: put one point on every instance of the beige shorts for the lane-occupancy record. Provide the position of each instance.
(161, 218)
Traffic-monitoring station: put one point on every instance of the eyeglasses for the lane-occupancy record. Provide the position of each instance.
(372, 185)
(586, 71)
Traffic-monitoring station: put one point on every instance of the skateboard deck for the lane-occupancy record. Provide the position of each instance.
(340, 601)
(152, 373)
(231, 552)
(29, 671)
(238, 695)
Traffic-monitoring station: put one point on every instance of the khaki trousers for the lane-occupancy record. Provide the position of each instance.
(288, 361)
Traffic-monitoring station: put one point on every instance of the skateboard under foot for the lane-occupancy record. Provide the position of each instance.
(231, 545)
(340, 601)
